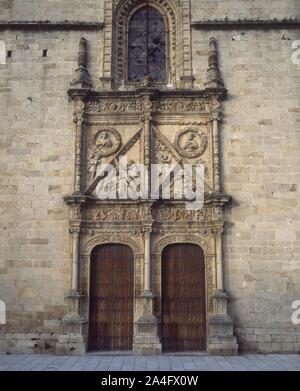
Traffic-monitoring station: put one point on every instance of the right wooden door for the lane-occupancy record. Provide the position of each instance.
(183, 327)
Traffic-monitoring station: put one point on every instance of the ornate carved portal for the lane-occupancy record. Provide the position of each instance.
(148, 124)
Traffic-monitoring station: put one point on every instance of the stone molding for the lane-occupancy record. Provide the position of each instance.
(50, 25)
(263, 24)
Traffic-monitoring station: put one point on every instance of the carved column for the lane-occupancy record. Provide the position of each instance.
(215, 118)
(72, 340)
(75, 259)
(80, 87)
(78, 153)
(219, 256)
(146, 340)
(146, 118)
(75, 294)
(147, 268)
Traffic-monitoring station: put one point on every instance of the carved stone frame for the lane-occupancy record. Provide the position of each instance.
(148, 233)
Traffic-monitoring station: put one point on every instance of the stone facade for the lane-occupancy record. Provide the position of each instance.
(259, 169)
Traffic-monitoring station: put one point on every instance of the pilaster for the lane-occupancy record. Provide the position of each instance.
(146, 340)
(221, 339)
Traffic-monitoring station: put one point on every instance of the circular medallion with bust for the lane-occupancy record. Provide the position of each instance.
(191, 142)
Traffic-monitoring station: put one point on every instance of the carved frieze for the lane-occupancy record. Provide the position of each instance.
(171, 214)
(118, 213)
(136, 104)
(145, 213)
(185, 105)
(115, 105)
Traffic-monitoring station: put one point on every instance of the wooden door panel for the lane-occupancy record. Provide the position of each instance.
(183, 298)
(111, 298)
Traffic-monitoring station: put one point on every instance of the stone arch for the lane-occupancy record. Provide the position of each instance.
(173, 239)
(99, 240)
(123, 12)
(88, 244)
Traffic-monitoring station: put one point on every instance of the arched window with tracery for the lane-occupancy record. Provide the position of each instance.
(147, 46)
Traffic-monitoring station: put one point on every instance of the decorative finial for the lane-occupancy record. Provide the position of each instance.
(213, 78)
(82, 77)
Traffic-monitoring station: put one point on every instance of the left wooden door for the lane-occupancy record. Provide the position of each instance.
(111, 298)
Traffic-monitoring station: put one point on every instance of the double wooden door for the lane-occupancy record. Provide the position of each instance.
(111, 298)
(183, 325)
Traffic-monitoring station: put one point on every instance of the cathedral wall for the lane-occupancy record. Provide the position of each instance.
(244, 9)
(36, 171)
(53, 10)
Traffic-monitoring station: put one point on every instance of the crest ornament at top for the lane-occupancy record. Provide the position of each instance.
(191, 142)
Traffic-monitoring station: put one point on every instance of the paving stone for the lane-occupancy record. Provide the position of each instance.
(248, 362)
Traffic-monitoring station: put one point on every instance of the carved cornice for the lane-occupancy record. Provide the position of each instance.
(172, 93)
(218, 199)
(154, 93)
(248, 24)
(140, 102)
(210, 199)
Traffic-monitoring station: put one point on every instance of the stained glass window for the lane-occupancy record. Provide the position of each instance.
(147, 46)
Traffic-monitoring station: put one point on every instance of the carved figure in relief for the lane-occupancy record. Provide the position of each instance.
(93, 161)
(131, 181)
(190, 145)
(104, 141)
(107, 142)
(191, 142)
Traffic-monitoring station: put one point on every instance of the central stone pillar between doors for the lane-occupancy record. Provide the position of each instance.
(146, 340)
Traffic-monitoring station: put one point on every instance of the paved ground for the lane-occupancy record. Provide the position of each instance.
(247, 362)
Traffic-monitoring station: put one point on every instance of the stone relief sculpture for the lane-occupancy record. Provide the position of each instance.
(106, 143)
(191, 142)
